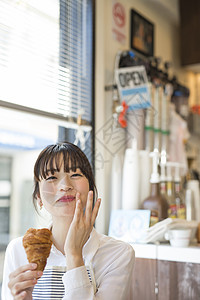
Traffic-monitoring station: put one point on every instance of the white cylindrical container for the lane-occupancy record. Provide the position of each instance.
(194, 186)
(116, 182)
(145, 174)
(189, 202)
(130, 178)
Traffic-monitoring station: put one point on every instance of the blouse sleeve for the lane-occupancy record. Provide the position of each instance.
(15, 257)
(8, 268)
(114, 284)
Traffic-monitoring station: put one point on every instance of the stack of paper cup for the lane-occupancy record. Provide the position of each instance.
(130, 178)
(116, 182)
(189, 201)
(193, 185)
(145, 174)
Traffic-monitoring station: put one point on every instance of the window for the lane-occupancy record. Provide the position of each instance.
(75, 65)
(46, 75)
(46, 56)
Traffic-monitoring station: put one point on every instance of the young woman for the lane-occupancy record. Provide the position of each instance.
(82, 263)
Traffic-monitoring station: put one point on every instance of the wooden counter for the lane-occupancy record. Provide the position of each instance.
(166, 252)
(163, 272)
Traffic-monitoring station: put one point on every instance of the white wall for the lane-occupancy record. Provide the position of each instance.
(166, 47)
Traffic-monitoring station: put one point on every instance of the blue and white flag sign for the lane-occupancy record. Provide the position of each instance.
(133, 88)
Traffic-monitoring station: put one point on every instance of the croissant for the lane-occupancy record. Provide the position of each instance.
(37, 244)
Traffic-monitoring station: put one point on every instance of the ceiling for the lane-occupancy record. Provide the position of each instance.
(169, 7)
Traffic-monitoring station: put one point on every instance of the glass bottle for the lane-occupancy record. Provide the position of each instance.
(179, 200)
(172, 212)
(156, 202)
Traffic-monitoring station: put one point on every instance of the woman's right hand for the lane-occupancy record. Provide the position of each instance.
(22, 281)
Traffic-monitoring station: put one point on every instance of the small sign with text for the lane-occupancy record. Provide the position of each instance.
(133, 88)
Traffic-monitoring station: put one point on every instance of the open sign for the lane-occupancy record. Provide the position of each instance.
(132, 84)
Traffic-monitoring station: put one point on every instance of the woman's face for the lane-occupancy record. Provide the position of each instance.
(58, 191)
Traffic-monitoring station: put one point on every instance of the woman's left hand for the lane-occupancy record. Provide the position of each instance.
(79, 230)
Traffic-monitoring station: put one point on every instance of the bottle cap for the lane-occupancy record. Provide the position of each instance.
(169, 166)
(155, 178)
(177, 177)
(162, 176)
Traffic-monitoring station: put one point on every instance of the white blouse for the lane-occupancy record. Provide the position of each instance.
(106, 275)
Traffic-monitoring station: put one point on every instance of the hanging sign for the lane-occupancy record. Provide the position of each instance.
(133, 88)
(118, 21)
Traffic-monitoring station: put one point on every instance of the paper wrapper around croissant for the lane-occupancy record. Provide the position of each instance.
(37, 244)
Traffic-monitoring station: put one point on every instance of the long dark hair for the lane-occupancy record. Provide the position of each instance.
(49, 160)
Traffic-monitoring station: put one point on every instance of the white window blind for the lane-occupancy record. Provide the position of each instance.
(46, 55)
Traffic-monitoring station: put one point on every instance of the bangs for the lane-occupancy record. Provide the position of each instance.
(54, 157)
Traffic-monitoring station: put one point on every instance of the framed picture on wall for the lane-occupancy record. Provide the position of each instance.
(142, 34)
